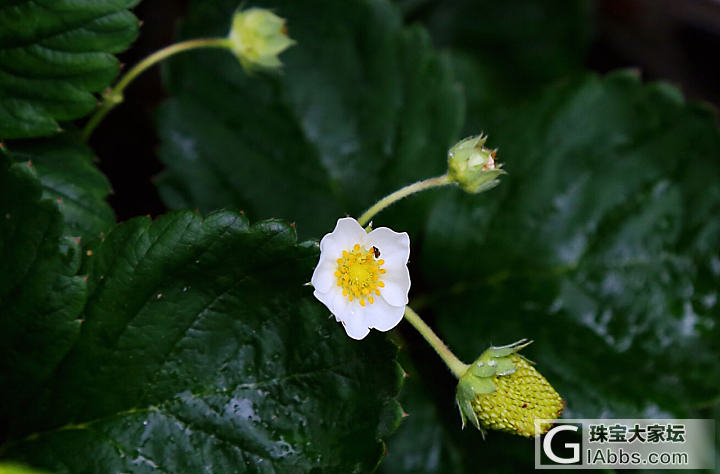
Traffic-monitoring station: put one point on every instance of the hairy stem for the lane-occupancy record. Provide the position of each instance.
(114, 96)
(456, 366)
(429, 183)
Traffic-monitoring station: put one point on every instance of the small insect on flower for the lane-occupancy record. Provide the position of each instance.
(362, 290)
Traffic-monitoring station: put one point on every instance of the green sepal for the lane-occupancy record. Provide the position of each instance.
(496, 360)
(466, 412)
(472, 166)
(17, 468)
(504, 367)
(482, 369)
(503, 351)
(478, 379)
(469, 387)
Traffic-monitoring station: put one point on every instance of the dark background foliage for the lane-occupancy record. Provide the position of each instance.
(601, 243)
(661, 40)
(668, 40)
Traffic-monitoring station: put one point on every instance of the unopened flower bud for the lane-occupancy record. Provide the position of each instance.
(501, 390)
(473, 166)
(257, 37)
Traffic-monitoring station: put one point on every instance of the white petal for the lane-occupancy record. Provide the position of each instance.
(325, 298)
(356, 328)
(383, 316)
(324, 275)
(351, 315)
(388, 309)
(397, 285)
(346, 234)
(340, 306)
(394, 246)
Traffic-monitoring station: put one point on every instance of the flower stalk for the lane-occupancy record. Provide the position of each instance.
(404, 192)
(114, 96)
(257, 36)
(471, 166)
(456, 366)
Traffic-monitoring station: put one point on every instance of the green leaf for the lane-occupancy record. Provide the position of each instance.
(623, 324)
(362, 106)
(69, 177)
(40, 296)
(202, 349)
(420, 443)
(430, 438)
(600, 244)
(54, 54)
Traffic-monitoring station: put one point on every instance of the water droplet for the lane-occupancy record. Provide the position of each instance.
(709, 300)
(159, 295)
(185, 288)
(140, 459)
(243, 408)
(282, 448)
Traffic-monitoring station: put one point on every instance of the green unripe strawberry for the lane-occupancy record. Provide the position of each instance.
(501, 390)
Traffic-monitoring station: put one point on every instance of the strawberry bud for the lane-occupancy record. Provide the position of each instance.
(257, 37)
(473, 166)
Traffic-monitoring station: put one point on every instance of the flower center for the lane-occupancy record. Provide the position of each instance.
(358, 274)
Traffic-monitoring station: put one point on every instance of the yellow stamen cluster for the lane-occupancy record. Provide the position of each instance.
(358, 274)
(520, 397)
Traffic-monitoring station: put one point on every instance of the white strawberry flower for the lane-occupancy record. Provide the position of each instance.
(362, 277)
